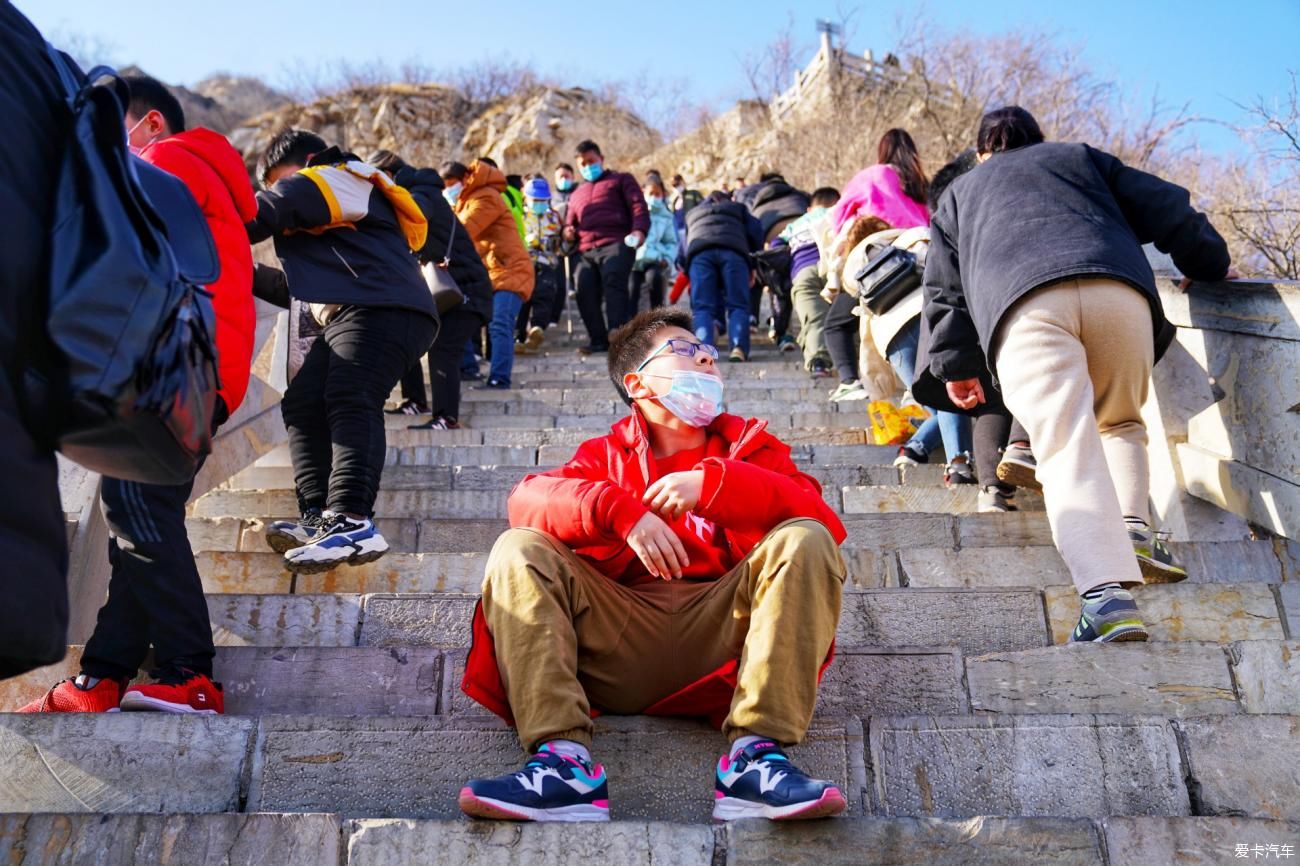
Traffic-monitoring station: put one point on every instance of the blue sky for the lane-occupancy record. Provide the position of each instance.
(1190, 51)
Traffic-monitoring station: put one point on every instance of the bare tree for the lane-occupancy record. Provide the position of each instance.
(770, 68)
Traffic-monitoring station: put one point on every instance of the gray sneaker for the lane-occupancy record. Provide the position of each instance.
(993, 501)
(1154, 557)
(1113, 616)
(283, 536)
(1019, 468)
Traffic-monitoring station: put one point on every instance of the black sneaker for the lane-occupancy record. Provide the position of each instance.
(408, 407)
(283, 536)
(910, 456)
(550, 787)
(592, 350)
(956, 473)
(493, 385)
(820, 369)
(762, 783)
(437, 423)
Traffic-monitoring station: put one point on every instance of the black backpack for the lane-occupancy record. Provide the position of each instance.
(124, 380)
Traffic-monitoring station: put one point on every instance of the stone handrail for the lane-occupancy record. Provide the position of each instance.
(1224, 413)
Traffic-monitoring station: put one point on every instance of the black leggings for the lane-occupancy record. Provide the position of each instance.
(992, 433)
(841, 335)
(334, 407)
(445, 356)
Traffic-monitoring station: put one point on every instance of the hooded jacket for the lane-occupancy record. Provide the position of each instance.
(775, 204)
(489, 222)
(606, 210)
(340, 237)
(216, 176)
(466, 268)
(591, 504)
(1045, 213)
(661, 241)
(721, 225)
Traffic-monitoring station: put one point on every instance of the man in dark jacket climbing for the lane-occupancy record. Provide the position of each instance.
(1036, 271)
(607, 219)
(775, 204)
(459, 324)
(720, 236)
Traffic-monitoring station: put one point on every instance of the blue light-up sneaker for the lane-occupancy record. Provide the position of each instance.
(762, 783)
(550, 787)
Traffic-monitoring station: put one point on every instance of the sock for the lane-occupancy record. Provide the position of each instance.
(1097, 591)
(1136, 522)
(85, 683)
(743, 743)
(567, 749)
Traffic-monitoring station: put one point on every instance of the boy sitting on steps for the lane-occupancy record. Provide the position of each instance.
(681, 565)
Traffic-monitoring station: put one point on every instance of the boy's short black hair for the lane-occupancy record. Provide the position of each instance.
(454, 170)
(629, 345)
(943, 178)
(489, 161)
(825, 196)
(588, 146)
(289, 147)
(515, 181)
(150, 94)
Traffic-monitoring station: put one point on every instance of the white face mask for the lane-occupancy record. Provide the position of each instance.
(131, 147)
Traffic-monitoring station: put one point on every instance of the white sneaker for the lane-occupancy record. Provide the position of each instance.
(340, 541)
(849, 391)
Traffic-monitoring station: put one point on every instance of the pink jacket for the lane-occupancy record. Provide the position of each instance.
(877, 191)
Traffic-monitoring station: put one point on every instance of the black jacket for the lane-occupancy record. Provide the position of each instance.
(466, 268)
(1045, 213)
(364, 260)
(721, 225)
(775, 201)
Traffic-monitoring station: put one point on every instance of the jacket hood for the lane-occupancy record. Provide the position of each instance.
(482, 175)
(215, 150)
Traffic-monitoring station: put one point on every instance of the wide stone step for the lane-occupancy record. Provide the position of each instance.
(925, 499)
(1065, 766)
(244, 531)
(306, 839)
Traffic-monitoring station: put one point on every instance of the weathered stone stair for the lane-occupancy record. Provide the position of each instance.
(963, 728)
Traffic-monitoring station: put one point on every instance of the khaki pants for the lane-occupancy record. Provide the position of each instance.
(811, 308)
(569, 638)
(1074, 360)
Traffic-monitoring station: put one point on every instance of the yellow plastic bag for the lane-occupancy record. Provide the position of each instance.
(891, 425)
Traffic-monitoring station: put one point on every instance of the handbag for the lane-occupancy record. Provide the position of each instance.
(123, 378)
(446, 293)
(887, 277)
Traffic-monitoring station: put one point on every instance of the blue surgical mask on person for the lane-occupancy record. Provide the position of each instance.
(541, 207)
(452, 193)
(592, 171)
(695, 398)
(564, 184)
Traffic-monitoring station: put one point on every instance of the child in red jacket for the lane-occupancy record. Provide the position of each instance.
(681, 565)
(155, 596)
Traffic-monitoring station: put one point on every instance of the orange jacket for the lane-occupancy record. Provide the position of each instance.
(496, 236)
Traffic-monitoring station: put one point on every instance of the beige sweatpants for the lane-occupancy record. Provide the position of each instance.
(1074, 361)
(568, 638)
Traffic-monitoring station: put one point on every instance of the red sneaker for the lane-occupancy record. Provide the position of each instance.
(179, 692)
(66, 697)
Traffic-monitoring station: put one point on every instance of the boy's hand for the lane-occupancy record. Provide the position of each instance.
(658, 547)
(675, 494)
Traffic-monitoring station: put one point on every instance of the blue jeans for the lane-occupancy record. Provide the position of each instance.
(952, 429)
(505, 311)
(720, 292)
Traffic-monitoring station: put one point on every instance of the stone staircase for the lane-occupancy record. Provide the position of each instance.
(961, 726)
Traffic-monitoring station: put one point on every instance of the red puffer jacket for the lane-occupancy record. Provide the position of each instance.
(590, 504)
(215, 174)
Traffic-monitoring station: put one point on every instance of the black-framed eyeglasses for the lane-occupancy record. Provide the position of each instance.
(685, 348)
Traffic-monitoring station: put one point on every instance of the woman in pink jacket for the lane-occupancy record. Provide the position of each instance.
(894, 191)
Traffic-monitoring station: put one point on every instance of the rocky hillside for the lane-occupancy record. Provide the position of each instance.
(741, 142)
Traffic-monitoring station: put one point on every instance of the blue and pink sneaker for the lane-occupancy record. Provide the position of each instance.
(762, 783)
(550, 787)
